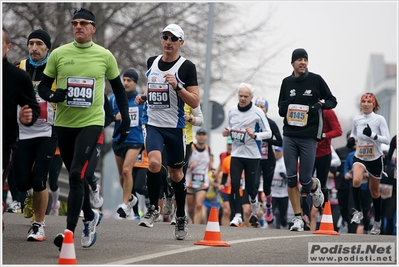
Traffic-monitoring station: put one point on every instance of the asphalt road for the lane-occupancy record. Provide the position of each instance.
(124, 242)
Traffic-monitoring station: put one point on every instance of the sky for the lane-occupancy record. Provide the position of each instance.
(339, 37)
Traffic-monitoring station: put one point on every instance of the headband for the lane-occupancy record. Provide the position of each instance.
(369, 96)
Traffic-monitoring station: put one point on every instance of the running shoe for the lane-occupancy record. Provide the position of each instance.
(173, 220)
(124, 210)
(254, 205)
(28, 206)
(253, 220)
(148, 219)
(89, 235)
(58, 240)
(136, 217)
(14, 207)
(357, 216)
(237, 221)
(55, 209)
(181, 229)
(97, 198)
(376, 230)
(297, 224)
(269, 214)
(317, 196)
(168, 206)
(36, 233)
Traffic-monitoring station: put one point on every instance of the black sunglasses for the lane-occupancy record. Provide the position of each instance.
(172, 38)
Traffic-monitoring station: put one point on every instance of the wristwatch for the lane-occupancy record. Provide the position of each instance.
(255, 136)
(190, 119)
(179, 86)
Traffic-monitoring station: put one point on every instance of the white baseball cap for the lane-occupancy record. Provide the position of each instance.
(175, 30)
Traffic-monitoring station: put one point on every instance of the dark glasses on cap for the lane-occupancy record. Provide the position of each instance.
(81, 22)
(172, 38)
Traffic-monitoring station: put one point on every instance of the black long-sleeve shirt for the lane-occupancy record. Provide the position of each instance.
(17, 90)
(306, 90)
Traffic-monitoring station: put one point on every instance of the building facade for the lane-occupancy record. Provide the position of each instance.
(382, 82)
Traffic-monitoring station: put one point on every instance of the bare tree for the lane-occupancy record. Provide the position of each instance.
(132, 32)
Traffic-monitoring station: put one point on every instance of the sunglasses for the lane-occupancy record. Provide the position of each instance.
(172, 38)
(81, 22)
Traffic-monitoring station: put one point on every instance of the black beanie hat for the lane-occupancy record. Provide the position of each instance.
(299, 53)
(42, 35)
(82, 13)
(132, 74)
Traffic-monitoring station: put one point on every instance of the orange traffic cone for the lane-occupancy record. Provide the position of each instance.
(326, 224)
(212, 231)
(67, 255)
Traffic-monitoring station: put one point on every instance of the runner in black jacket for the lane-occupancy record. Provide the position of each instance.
(17, 90)
(302, 97)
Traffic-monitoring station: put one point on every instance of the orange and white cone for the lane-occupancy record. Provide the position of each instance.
(212, 232)
(67, 254)
(326, 224)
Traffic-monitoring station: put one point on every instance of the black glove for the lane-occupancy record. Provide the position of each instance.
(123, 130)
(316, 106)
(58, 96)
(351, 142)
(367, 131)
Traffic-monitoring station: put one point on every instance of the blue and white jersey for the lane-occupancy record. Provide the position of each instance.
(164, 107)
(136, 135)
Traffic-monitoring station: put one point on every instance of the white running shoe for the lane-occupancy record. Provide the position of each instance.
(149, 218)
(125, 210)
(298, 224)
(173, 220)
(357, 216)
(181, 229)
(36, 233)
(89, 235)
(237, 221)
(317, 196)
(167, 206)
(97, 198)
(14, 207)
(376, 230)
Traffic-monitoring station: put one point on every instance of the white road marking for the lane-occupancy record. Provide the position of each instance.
(182, 250)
